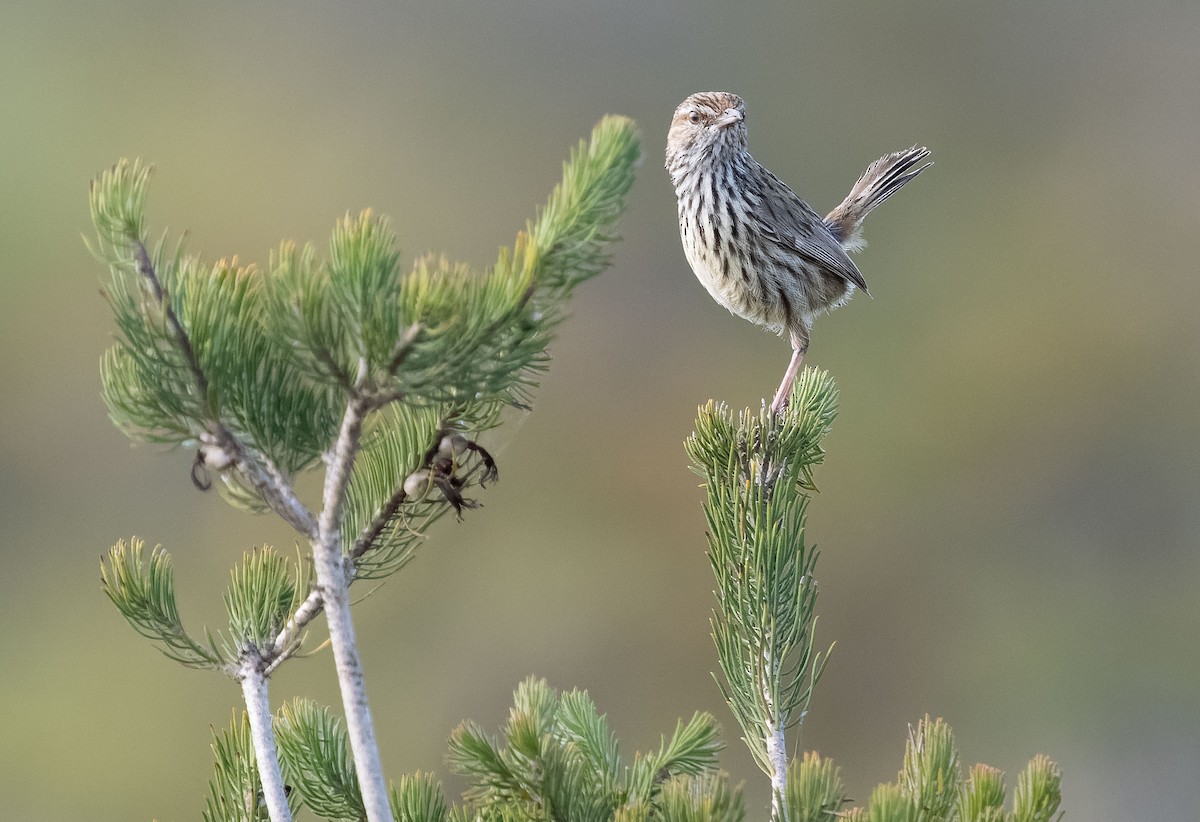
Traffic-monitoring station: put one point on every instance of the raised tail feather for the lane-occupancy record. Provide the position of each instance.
(881, 180)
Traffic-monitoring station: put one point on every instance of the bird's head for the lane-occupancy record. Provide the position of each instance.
(706, 125)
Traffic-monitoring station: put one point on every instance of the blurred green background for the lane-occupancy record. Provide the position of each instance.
(1007, 518)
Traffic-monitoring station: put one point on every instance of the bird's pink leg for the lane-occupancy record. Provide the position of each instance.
(799, 348)
(789, 377)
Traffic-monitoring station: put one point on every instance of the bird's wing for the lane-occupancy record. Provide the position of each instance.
(785, 219)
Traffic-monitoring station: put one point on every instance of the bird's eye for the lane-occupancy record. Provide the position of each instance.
(694, 118)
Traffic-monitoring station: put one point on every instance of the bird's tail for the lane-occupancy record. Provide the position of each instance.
(881, 180)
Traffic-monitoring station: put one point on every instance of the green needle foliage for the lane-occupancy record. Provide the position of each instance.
(272, 357)
(315, 756)
(930, 787)
(234, 792)
(191, 351)
(144, 592)
(558, 760)
(981, 798)
(1039, 791)
(704, 798)
(418, 798)
(263, 592)
(316, 763)
(382, 376)
(262, 595)
(814, 789)
(392, 451)
(758, 474)
(250, 366)
(930, 772)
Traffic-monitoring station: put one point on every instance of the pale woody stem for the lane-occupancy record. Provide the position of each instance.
(271, 485)
(284, 643)
(777, 754)
(775, 741)
(258, 709)
(359, 725)
(333, 584)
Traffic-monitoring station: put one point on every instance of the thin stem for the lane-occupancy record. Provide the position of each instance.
(334, 587)
(775, 725)
(288, 639)
(777, 755)
(404, 346)
(146, 269)
(258, 708)
(263, 474)
(270, 484)
(366, 540)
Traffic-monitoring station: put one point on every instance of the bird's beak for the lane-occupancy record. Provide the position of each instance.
(731, 117)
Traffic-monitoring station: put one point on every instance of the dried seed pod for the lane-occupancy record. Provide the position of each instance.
(212, 454)
(209, 457)
(453, 445)
(417, 484)
(214, 457)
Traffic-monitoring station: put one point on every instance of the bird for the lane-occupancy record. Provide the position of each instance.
(760, 250)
